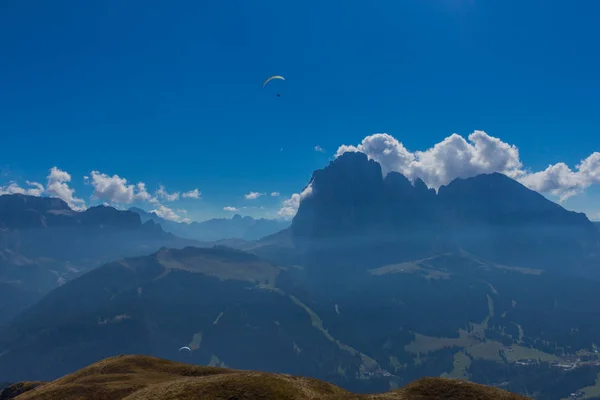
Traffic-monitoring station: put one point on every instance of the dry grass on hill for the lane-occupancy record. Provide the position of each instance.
(142, 377)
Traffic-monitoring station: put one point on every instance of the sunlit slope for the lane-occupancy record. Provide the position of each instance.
(142, 377)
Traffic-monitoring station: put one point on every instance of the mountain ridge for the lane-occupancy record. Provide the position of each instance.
(19, 211)
(142, 377)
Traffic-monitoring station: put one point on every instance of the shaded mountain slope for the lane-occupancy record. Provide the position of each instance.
(392, 325)
(14, 298)
(499, 219)
(228, 306)
(141, 377)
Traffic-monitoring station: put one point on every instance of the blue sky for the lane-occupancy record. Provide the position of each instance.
(170, 92)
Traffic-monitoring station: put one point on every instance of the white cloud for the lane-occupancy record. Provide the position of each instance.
(162, 193)
(253, 195)
(142, 193)
(167, 213)
(291, 205)
(457, 157)
(275, 194)
(229, 208)
(192, 194)
(37, 189)
(562, 181)
(58, 186)
(14, 188)
(115, 189)
(319, 149)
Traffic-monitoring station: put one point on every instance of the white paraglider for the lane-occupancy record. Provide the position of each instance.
(269, 79)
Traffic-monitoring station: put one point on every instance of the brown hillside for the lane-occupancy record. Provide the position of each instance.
(142, 377)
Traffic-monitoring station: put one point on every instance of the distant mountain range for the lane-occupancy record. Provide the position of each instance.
(43, 243)
(237, 227)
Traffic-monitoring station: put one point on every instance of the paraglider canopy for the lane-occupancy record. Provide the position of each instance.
(185, 348)
(273, 77)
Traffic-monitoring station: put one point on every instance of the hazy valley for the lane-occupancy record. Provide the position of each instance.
(376, 283)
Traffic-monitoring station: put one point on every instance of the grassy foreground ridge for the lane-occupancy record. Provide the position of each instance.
(135, 377)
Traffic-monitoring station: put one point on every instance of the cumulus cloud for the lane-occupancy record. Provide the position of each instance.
(142, 193)
(13, 188)
(36, 190)
(291, 205)
(162, 194)
(457, 157)
(168, 214)
(319, 149)
(192, 194)
(275, 194)
(560, 180)
(115, 189)
(58, 186)
(229, 208)
(253, 195)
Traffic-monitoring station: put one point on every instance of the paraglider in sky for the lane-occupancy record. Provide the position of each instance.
(185, 348)
(271, 78)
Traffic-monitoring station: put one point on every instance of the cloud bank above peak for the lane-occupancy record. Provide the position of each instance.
(457, 157)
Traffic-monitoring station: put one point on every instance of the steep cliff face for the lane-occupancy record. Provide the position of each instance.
(343, 199)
